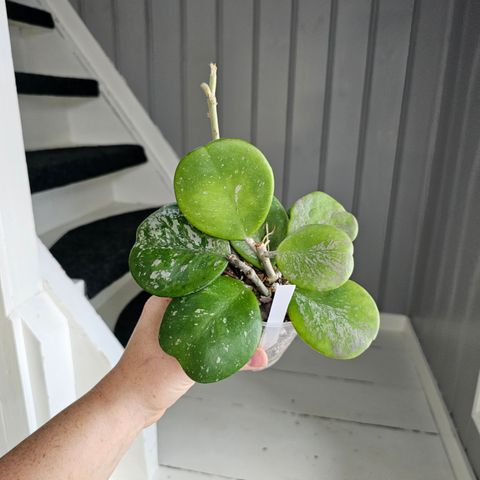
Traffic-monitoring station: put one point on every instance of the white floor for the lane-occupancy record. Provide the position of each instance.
(310, 418)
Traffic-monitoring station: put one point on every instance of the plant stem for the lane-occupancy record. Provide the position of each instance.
(249, 273)
(263, 255)
(210, 90)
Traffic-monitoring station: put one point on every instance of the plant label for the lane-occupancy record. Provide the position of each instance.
(281, 300)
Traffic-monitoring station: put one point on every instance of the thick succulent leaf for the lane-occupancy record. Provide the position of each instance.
(277, 219)
(316, 207)
(341, 323)
(320, 208)
(316, 257)
(347, 222)
(171, 258)
(225, 188)
(213, 333)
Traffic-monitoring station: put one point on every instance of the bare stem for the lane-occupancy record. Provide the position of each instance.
(249, 273)
(210, 90)
(264, 256)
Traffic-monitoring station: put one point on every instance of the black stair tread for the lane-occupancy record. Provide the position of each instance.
(38, 84)
(129, 316)
(62, 166)
(98, 252)
(31, 15)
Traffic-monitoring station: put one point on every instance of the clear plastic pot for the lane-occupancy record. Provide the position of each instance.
(276, 339)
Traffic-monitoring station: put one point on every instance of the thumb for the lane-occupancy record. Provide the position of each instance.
(258, 361)
(149, 322)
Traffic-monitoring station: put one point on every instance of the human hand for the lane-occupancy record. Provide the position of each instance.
(152, 379)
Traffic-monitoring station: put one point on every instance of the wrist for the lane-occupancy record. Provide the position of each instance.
(119, 402)
(124, 393)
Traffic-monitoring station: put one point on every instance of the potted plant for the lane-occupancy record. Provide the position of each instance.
(225, 248)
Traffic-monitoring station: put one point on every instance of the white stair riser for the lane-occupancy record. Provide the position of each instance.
(51, 122)
(45, 121)
(59, 206)
(40, 50)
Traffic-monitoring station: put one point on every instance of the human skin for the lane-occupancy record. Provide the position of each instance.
(88, 439)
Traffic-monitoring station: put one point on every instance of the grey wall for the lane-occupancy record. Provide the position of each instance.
(374, 101)
(318, 85)
(446, 302)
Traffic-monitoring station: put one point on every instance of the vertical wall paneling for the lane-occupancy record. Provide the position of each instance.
(200, 51)
(459, 177)
(308, 62)
(446, 306)
(427, 69)
(100, 19)
(273, 63)
(381, 130)
(165, 67)
(449, 141)
(235, 69)
(348, 73)
(132, 27)
(461, 231)
(426, 267)
(461, 360)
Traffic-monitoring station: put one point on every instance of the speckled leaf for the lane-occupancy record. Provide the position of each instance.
(277, 219)
(320, 208)
(316, 257)
(213, 333)
(171, 258)
(225, 188)
(347, 222)
(341, 323)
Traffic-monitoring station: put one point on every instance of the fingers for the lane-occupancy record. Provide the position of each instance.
(258, 361)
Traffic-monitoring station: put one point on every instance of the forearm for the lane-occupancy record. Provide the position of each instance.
(86, 440)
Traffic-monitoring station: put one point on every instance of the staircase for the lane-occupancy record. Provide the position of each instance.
(83, 158)
(97, 166)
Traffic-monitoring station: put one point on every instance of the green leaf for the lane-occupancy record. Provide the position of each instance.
(171, 258)
(347, 222)
(213, 333)
(341, 323)
(225, 188)
(316, 257)
(277, 219)
(320, 208)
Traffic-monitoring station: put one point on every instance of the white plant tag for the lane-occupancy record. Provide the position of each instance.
(281, 299)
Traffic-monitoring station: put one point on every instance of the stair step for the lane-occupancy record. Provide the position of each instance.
(129, 316)
(29, 15)
(62, 166)
(37, 84)
(98, 252)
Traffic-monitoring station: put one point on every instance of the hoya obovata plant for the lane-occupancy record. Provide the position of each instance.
(225, 246)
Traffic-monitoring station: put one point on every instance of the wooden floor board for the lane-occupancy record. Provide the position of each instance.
(363, 402)
(309, 418)
(254, 443)
(384, 366)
